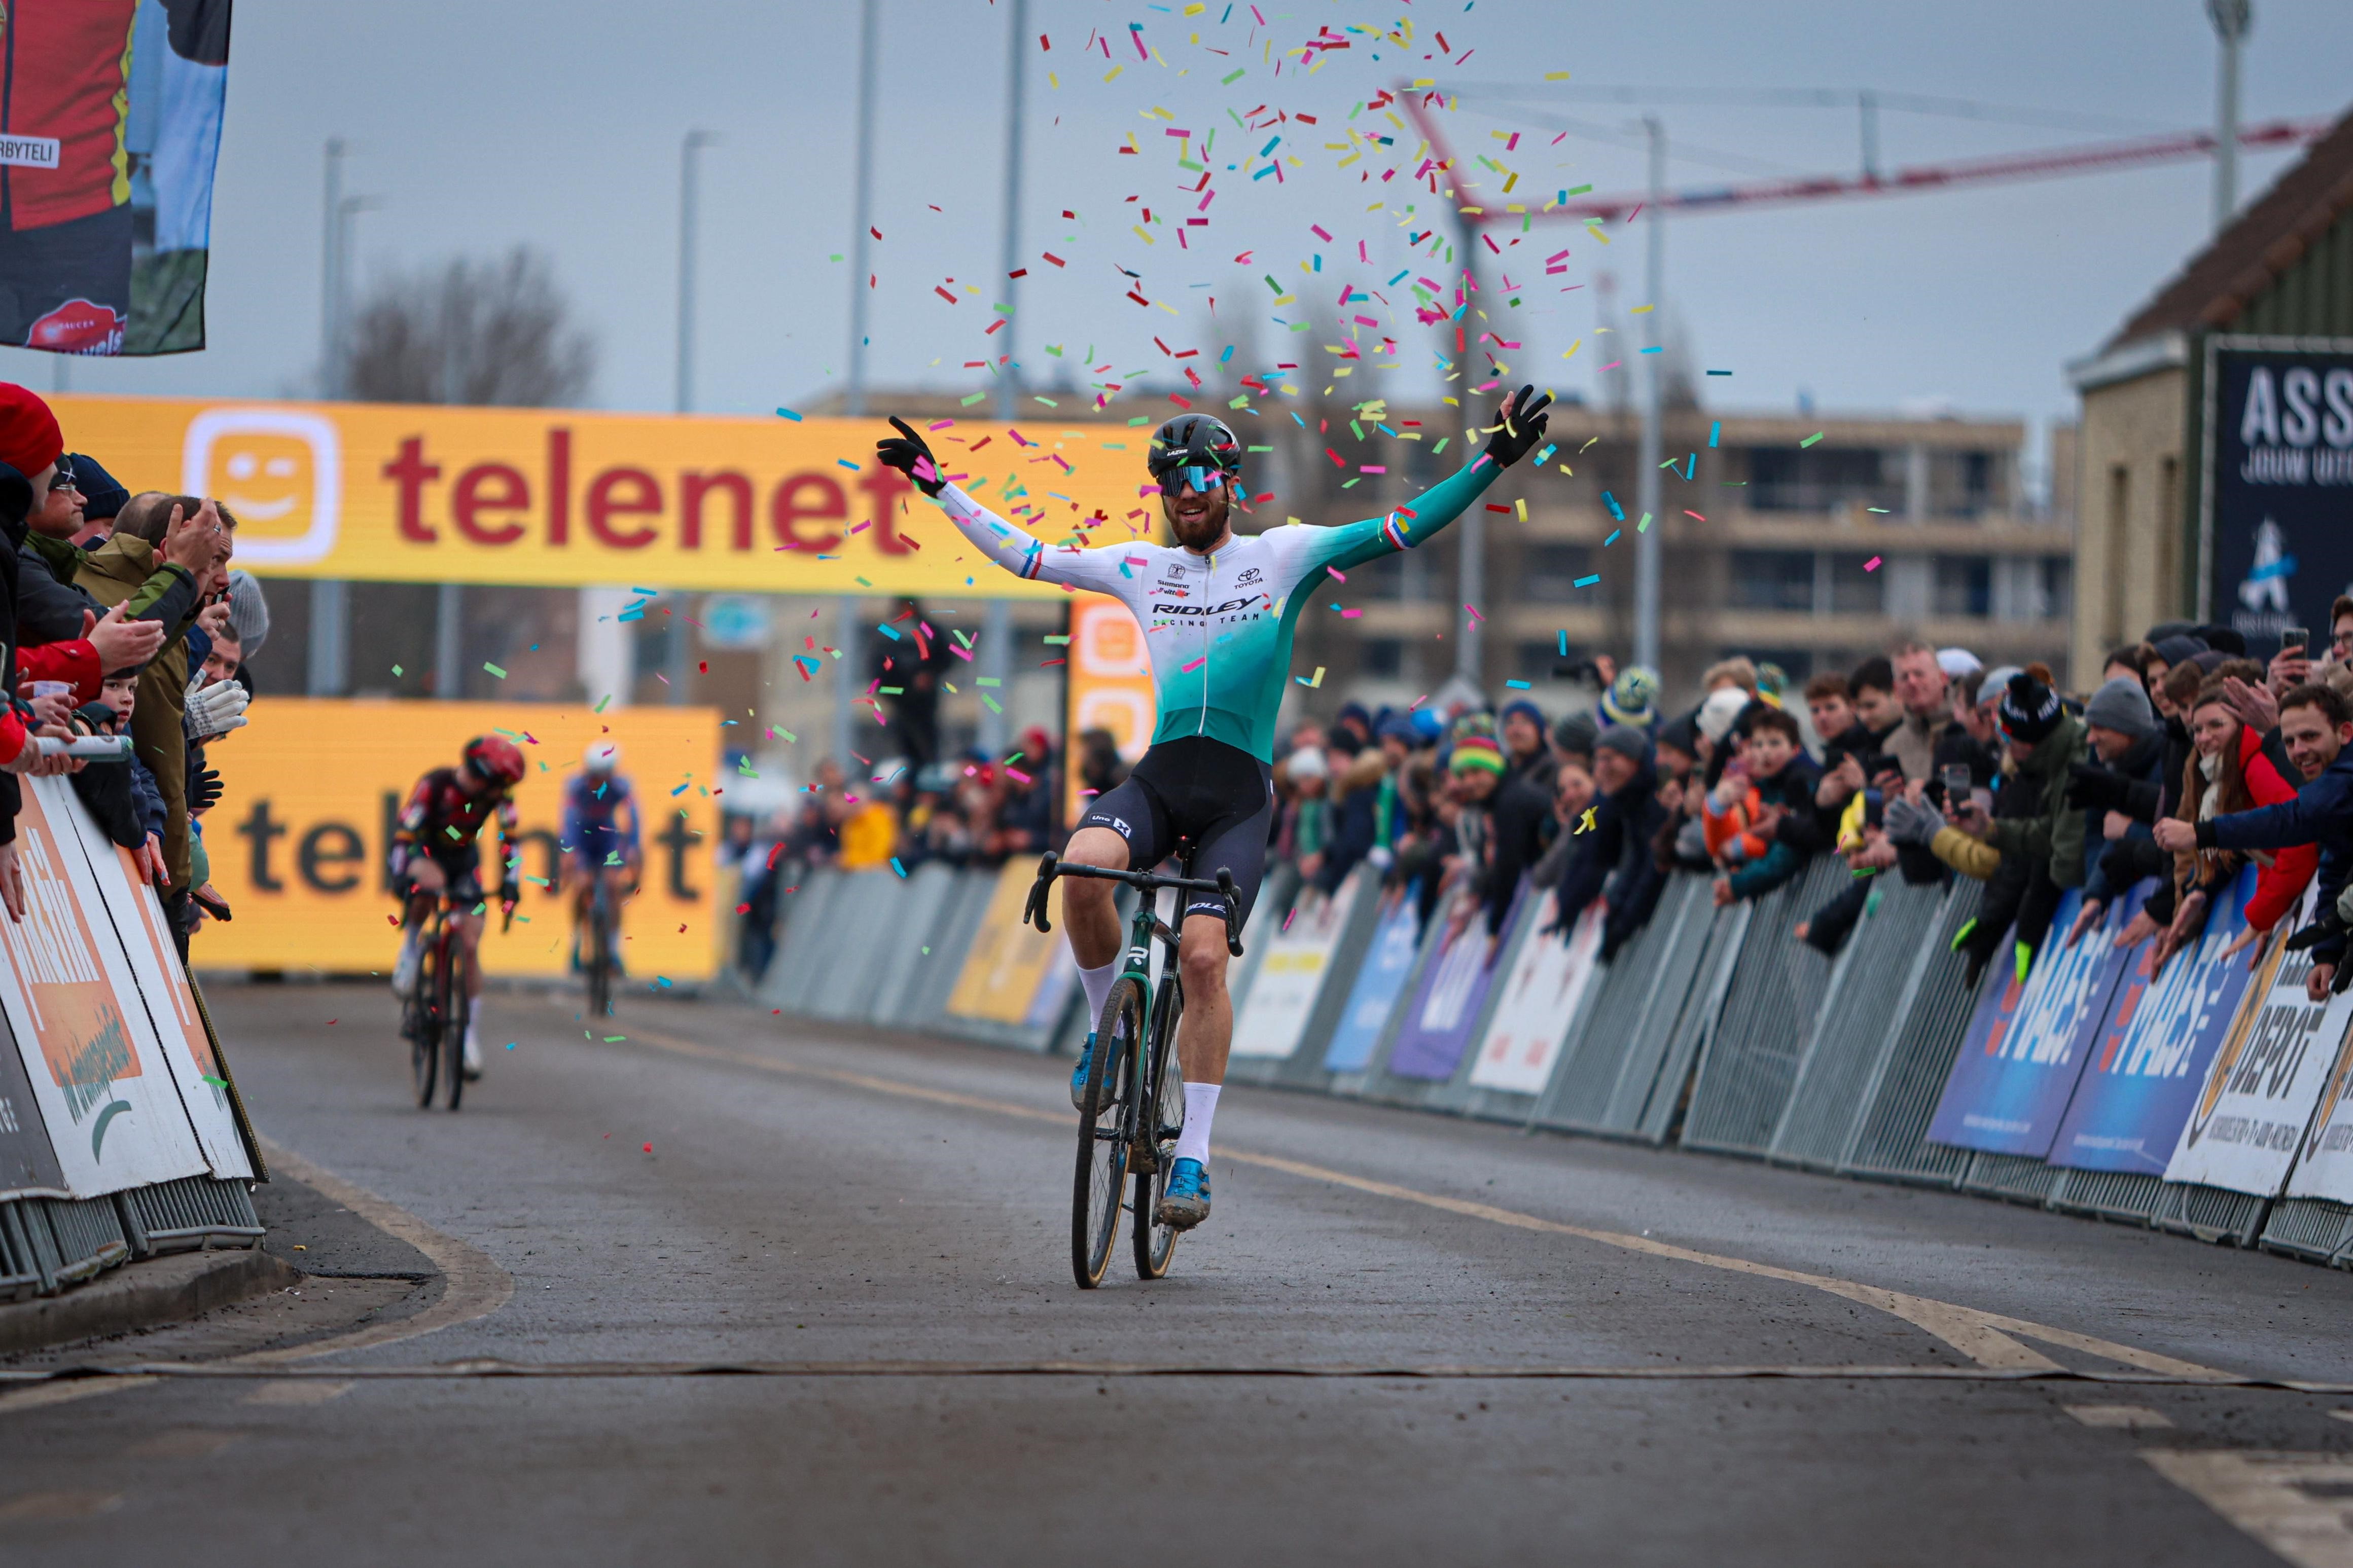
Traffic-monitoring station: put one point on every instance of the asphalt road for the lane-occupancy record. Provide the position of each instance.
(883, 1221)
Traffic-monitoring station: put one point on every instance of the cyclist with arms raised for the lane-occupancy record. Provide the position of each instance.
(599, 846)
(1218, 609)
(434, 851)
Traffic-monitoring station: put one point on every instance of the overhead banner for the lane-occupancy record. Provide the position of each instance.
(109, 131)
(420, 494)
(1380, 980)
(2245, 1131)
(1446, 1005)
(2159, 1041)
(2027, 1042)
(1292, 975)
(313, 788)
(1550, 974)
(2279, 478)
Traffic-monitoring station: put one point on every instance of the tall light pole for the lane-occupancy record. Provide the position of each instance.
(330, 651)
(2232, 20)
(996, 628)
(853, 401)
(331, 274)
(1646, 488)
(695, 141)
(1471, 529)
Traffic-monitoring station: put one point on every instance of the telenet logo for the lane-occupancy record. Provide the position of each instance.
(279, 472)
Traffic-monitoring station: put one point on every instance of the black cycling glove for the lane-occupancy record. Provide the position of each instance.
(204, 789)
(2093, 787)
(907, 453)
(1522, 429)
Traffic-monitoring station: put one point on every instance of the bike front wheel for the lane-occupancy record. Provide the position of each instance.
(1104, 1127)
(600, 957)
(457, 1017)
(423, 1011)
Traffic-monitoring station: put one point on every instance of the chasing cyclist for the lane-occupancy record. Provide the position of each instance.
(434, 851)
(1217, 610)
(598, 847)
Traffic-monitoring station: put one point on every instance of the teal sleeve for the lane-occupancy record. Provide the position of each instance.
(1416, 521)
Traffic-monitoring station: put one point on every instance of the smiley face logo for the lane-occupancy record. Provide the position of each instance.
(279, 472)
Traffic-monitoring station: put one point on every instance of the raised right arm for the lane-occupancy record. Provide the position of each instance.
(1026, 555)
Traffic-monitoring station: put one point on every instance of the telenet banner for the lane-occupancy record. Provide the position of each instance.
(421, 493)
(314, 786)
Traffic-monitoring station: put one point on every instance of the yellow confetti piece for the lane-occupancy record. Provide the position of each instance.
(1112, 74)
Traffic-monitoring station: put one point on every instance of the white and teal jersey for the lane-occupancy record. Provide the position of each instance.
(1217, 626)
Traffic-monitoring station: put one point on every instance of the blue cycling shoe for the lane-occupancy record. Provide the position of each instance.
(1079, 1073)
(1187, 1201)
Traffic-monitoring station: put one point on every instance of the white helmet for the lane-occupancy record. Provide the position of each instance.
(602, 758)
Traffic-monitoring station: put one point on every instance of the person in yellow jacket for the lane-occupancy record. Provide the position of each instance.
(870, 836)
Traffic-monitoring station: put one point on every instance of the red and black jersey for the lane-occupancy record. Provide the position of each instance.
(442, 820)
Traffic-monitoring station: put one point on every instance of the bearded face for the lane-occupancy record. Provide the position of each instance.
(1197, 519)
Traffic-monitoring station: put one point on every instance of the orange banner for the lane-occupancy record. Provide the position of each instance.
(396, 492)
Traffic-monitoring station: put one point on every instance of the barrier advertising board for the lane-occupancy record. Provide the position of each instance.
(2247, 1126)
(2026, 1045)
(1010, 968)
(2160, 1036)
(1453, 985)
(136, 920)
(1291, 975)
(2324, 1167)
(1387, 964)
(313, 788)
(2278, 470)
(1108, 687)
(1549, 978)
(407, 493)
(98, 1075)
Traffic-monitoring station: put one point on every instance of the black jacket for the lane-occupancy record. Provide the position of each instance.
(1612, 861)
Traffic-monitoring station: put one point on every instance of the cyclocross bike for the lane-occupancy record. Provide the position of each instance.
(600, 950)
(438, 1008)
(1135, 1101)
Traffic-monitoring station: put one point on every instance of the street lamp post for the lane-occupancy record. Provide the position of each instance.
(996, 628)
(1646, 541)
(2232, 20)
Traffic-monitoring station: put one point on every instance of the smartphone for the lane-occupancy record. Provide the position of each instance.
(1957, 781)
(2295, 639)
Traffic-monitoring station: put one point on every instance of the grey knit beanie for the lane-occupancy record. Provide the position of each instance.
(2121, 705)
(248, 612)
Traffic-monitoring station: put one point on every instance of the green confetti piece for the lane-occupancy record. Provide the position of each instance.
(976, 397)
(1228, 81)
(601, 701)
(396, 669)
(494, 670)
(1811, 439)
(991, 701)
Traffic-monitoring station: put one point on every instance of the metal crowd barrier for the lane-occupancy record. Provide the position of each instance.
(1753, 1052)
(2315, 1230)
(46, 1244)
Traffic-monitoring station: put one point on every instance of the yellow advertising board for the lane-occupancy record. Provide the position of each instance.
(420, 494)
(314, 787)
(1006, 968)
(1109, 686)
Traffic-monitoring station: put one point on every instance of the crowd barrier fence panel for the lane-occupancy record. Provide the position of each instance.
(2315, 1219)
(1455, 1094)
(1017, 983)
(1770, 1011)
(1303, 1068)
(1546, 992)
(1306, 972)
(47, 1244)
(189, 1215)
(1891, 1132)
(2318, 1230)
(1354, 1082)
(1667, 1094)
(1382, 975)
(2159, 1040)
(1429, 1045)
(1648, 975)
(796, 963)
(863, 939)
(967, 903)
(1871, 985)
(1280, 886)
(913, 949)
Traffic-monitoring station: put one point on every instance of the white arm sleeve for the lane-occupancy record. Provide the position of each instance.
(1023, 553)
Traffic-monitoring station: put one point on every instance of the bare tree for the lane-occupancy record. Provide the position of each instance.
(476, 332)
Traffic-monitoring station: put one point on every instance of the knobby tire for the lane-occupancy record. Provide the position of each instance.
(1156, 1242)
(1103, 1133)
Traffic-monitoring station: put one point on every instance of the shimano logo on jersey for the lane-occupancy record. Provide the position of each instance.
(1227, 608)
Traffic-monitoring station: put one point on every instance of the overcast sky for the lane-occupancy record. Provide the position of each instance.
(558, 126)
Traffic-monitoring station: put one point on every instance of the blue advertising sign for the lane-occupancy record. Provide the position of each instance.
(2026, 1045)
(1378, 981)
(2155, 1048)
(1453, 988)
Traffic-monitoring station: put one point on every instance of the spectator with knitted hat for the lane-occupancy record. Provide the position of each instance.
(2043, 742)
(1522, 731)
(1633, 699)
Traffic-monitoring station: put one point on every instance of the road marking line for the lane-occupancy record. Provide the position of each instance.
(36, 1507)
(1985, 1338)
(2120, 1417)
(475, 1287)
(2342, 1414)
(296, 1391)
(2291, 1503)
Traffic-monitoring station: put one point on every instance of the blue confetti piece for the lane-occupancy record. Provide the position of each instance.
(1588, 582)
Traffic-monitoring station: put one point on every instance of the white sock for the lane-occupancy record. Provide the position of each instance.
(1200, 1110)
(1097, 984)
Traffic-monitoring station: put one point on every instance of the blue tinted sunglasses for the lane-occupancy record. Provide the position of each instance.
(1203, 480)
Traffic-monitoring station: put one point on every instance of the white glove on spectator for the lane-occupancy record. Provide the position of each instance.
(216, 709)
(1913, 824)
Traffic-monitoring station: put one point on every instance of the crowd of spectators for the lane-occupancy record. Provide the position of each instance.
(122, 617)
(2185, 761)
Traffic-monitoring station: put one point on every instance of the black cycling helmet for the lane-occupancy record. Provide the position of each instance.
(1195, 441)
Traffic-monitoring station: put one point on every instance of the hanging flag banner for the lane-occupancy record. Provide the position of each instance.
(2026, 1044)
(1549, 977)
(1292, 975)
(565, 498)
(2246, 1127)
(1396, 942)
(113, 127)
(2155, 1047)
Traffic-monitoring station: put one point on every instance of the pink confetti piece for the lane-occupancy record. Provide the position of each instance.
(1196, 664)
(1872, 564)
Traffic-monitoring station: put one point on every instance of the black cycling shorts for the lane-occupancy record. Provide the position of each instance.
(1219, 796)
(463, 870)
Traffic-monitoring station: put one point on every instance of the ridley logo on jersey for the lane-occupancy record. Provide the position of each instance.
(1226, 608)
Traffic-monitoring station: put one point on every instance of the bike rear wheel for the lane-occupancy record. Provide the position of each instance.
(1104, 1127)
(456, 1015)
(424, 1009)
(1156, 1242)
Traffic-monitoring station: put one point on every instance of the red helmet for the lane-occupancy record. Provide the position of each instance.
(494, 759)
